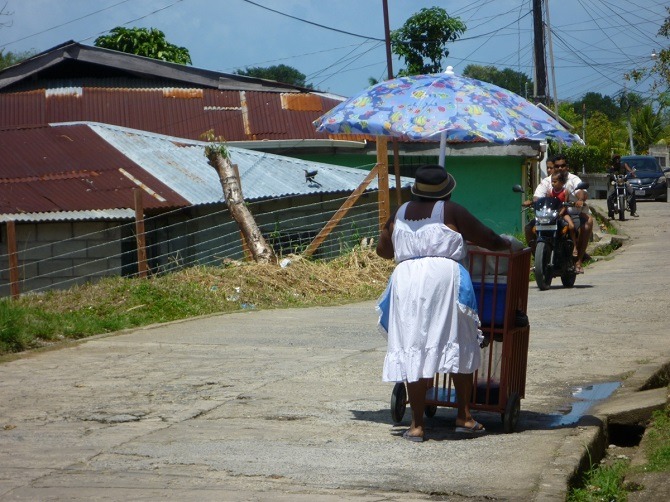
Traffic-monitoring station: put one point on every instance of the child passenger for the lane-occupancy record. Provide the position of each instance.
(558, 181)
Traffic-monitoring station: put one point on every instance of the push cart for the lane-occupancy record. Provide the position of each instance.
(501, 283)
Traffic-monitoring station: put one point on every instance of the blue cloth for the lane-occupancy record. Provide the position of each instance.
(466, 292)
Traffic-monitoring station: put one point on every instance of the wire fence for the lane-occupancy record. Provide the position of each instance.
(60, 254)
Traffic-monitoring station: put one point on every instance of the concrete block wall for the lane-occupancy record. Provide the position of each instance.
(58, 255)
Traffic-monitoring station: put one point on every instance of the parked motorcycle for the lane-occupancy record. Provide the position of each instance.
(553, 245)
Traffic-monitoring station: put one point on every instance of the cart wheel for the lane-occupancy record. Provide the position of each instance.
(398, 402)
(430, 410)
(511, 415)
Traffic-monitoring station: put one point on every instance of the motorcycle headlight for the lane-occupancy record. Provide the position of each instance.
(545, 215)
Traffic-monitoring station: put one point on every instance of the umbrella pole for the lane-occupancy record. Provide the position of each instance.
(383, 180)
(443, 147)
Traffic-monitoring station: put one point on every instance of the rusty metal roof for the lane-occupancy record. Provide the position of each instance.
(91, 167)
(181, 112)
(74, 82)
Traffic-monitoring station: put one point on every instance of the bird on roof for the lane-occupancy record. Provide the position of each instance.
(309, 177)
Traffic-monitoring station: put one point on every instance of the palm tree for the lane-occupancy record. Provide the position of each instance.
(647, 128)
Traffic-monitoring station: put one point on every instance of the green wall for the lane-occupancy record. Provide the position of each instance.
(483, 183)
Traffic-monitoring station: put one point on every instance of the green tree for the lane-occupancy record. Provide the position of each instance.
(278, 73)
(507, 78)
(587, 158)
(596, 102)
(422, 40)
(9, 58)
(647, 129)
(148, 42)
(600, 132)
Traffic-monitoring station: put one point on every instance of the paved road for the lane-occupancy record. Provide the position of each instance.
(288, 404)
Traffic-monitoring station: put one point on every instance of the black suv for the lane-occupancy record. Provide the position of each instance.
(650, 182)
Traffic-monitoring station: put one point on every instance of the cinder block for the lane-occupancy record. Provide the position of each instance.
(72, 248)
(54, 231)
(55, 268)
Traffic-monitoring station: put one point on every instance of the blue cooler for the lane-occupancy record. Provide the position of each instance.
(487, 310)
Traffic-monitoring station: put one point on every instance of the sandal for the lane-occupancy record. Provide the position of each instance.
(579, 269)
(413, 439)
(476, 428)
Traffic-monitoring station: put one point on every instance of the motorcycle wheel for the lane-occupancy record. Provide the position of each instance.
(622, 208)
(568, 279)
(542, 269)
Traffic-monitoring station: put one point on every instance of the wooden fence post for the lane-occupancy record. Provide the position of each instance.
(13, 260)
(340, 213)
(383, 180)
(140, 235)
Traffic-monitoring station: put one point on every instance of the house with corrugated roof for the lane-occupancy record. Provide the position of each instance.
(69, 194)
(74, 154)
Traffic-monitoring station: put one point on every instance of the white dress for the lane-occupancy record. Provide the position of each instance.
(432, 323)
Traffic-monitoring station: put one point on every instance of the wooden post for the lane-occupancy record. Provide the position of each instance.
(140, 235)
(383, 180)
(340, 213)
(396, 170)
(13, 260)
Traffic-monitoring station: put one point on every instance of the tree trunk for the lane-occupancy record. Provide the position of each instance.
(232, 190)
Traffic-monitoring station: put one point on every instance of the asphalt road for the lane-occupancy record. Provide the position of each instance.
(289, 404)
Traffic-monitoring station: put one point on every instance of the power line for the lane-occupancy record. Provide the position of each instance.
(313, 23)
(65, 23)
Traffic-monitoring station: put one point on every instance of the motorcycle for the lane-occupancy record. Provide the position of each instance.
(553, 248)
(619, 202)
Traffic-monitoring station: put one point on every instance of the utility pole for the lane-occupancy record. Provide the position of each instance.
(625, 103)
(540, 86)
(389, 67)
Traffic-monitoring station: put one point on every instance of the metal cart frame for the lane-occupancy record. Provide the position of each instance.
(501, 281)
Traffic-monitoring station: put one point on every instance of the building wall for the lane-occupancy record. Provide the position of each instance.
(662, 154)
(61, 254)
(483, 183)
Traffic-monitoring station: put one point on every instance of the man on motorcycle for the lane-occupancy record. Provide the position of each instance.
(619, 167)
(581, 211)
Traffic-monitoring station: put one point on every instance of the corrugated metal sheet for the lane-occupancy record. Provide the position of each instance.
(100, 214)
(87, 168)
(179, 112)
(183, 166)
(49, 169)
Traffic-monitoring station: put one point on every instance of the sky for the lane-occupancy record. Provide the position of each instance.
(339, 44)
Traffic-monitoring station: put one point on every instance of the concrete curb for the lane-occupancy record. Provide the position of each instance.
(632, 404)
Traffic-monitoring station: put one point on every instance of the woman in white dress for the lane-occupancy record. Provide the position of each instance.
(432, 318)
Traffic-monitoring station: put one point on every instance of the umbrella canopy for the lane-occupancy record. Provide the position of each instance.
(443, 106)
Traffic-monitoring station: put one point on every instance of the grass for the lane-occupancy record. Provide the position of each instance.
(112, 304)
(608, 481)
(657, 443)
(35, 321)
(602, 484)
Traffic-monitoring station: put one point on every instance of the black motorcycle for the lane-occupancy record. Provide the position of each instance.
(553, 245)
(618, 202)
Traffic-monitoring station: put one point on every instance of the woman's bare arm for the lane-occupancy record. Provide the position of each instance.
(474, 230)
(385, 243)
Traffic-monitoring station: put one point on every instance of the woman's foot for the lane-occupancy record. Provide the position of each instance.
(414, 435)
(469, 426)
